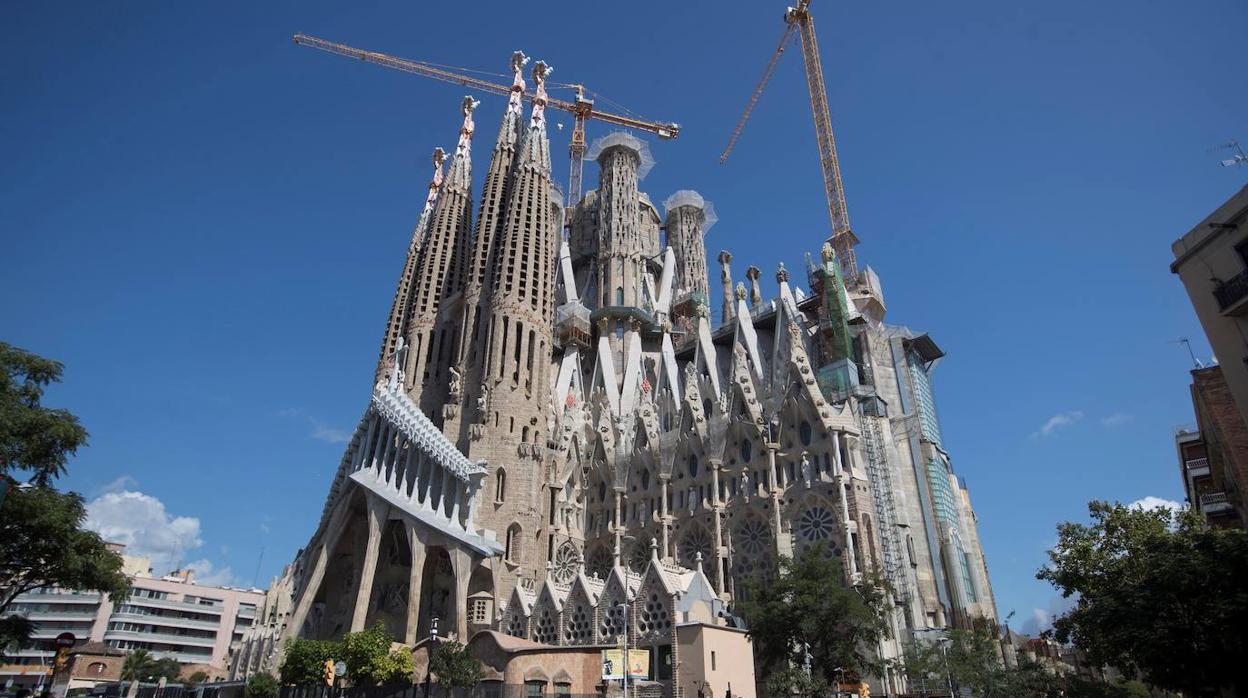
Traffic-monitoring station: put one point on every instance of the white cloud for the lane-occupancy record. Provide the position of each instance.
(142, 524)
(1117, 419)
(1041, 619)
(1060, 420)
(323, 432)
(1150, 502)
(121, 483)
(207, 573)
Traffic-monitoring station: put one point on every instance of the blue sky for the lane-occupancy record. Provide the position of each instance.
(205, 223)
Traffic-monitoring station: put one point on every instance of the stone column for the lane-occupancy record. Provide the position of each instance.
(664, 516)
(774, 491)
(364, 590)
(717, 465)
(304, 604)
(617, 528)
(461, 565)
(415, 579)
(756, 292)
(725, 275)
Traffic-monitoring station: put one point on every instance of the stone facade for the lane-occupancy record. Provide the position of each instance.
(551, 404)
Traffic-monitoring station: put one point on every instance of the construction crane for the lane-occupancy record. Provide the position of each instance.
(842, 238)
(581, 109)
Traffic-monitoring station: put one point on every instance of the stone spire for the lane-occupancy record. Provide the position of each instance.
(512, 404)
(725, 275)
(689, 217)
(477, 277)
(396, 327)
(439, 274)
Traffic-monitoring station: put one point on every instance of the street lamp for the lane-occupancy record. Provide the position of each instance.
(433, 645)
(944, 643)
(623, 608)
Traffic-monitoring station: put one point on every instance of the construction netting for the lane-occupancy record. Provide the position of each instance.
(689, 197)
(628, 140)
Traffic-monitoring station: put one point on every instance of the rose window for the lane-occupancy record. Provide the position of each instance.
(639, 557)
(600, 561)
(753, 537)
(695, 541)
(567, 563)
(816, 524)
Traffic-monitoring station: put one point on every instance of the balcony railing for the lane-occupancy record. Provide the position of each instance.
(1197, 463)
(1230, 292)
(1213, 498)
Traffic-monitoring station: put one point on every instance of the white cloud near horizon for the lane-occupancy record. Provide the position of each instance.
(1041, 619)
(1151, 502)
(1058, 421)
(141, 523)
(323, 432)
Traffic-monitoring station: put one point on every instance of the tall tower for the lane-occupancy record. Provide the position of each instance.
(689, 217)
(466, 363)
(513, 398)
(624, 161)
(396, 327)
(439, 275)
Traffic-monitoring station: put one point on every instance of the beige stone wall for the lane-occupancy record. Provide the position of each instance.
(716, 656)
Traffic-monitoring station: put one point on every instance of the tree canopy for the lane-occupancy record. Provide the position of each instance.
(33, 438)
(453, 666)
(141, 665)
(261, 686)
(368, 655)
(1158, 593)
(806, 607)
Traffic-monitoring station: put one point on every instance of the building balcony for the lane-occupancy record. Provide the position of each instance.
(1214, 502)
(1232, 295)
(1197, 467)
(166, 638)
(59, 596)
(168, 621)
(175, 605)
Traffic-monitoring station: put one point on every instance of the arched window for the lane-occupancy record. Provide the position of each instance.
(500, 485)
(645, 479)
(512, 552)
(619, 295)
(805, 431)
(747, 450)
(693, 466)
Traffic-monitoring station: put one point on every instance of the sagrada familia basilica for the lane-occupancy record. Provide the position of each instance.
(560, 423)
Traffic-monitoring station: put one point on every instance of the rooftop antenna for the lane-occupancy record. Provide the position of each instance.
(1185, 342)
(1240, 157)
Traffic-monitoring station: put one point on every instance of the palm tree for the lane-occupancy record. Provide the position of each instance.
(139, 665)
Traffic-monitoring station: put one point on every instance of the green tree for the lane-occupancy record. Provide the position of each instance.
(454, 667)
(196, 678)
(261, 686)
(807, 611)
(140, 665)
(169, 668)
(42, 543)
(303, 661)
(1156, 592)
(41, 538)
(33, 438)
(370, 661)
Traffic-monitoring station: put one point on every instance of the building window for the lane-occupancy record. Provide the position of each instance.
(479, 611)
(534, 689)
(712, 660)
(500, 485)
(563, 689)
(513, 544)
(97, 668)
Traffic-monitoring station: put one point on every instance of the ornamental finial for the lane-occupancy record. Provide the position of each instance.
(541, 70)
(740, 291)
(782, 274)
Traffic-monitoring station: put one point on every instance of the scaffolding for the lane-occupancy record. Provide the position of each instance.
(885, 509)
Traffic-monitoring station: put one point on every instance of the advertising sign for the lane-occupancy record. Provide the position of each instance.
(613, 664)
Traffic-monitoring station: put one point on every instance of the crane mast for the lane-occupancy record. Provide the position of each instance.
(581, 109)
(842, 239)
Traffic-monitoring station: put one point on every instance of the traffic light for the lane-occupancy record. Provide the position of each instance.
(329, 672)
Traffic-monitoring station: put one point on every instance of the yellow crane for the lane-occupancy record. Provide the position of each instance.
(581, 108)
(842, 239)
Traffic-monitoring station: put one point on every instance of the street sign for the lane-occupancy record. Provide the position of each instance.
(340, 669)
(66, 639)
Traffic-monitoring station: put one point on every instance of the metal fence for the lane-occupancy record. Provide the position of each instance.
(482, 690)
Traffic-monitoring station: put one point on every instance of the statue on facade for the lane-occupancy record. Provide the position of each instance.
(745, 485)
(808, 475)
(456, 379)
